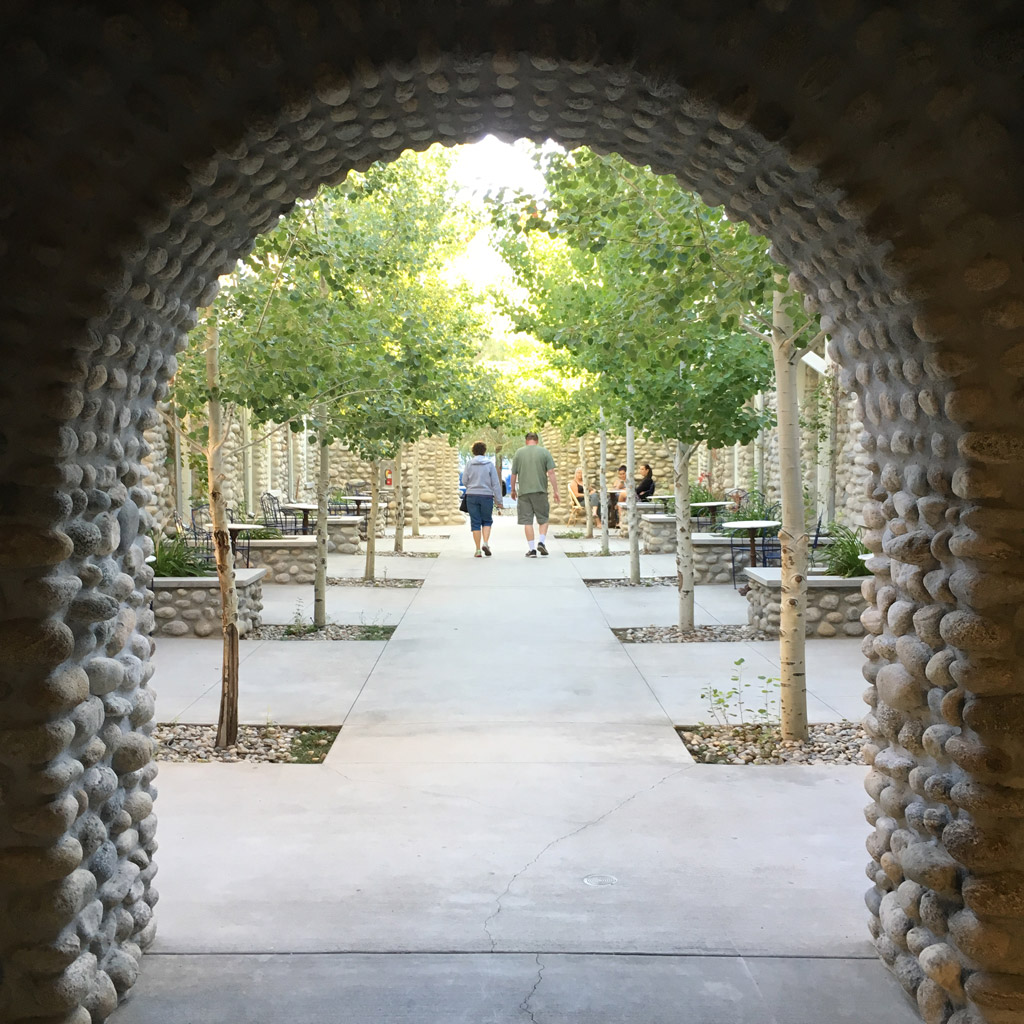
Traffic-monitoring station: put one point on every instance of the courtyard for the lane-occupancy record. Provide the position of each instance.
(508, 826)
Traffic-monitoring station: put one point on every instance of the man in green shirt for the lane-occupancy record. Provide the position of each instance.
(532, 468)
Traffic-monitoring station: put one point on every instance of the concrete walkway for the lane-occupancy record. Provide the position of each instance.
(507, 829)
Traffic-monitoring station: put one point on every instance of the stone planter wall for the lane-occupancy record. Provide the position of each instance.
(712, 556)
(286, 559)
(190, 605)
(834, 603)
(344, 534)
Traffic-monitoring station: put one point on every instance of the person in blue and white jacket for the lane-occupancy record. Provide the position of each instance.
(483, 489)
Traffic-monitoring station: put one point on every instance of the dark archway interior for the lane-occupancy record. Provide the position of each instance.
(877, 149)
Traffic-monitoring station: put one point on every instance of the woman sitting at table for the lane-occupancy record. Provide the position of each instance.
(576, 485)
(645, 489)
(616, 494)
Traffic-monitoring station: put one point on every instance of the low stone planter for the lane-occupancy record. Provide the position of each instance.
(712, 555)
(286, 559)
(644, 508)
(343, 534)
(834, 603)
(190, 605)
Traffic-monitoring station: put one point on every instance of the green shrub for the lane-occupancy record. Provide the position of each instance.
(842, 556)
(175, 558)
(753, 506)
(264, 533)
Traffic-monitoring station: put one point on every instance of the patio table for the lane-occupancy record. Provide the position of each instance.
(305, 508)
(712, 507)
(752, 526)
(234, 529)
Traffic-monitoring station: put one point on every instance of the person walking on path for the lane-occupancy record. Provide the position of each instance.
(483, 489)
(532, 468)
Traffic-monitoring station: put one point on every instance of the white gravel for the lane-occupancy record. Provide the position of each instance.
(385, 583)
(332, 631)
(269, 744)
(832, 743)
(674, 635)
(620, 584)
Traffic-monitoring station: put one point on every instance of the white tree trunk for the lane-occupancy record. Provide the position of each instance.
(587, 510)
(371, 526)
(684, 536)
(227, 720)
(759, 451)
(603, 484)
(833, 443)
(632, 514)
(179, 467)
(248, 458)
(793, 535)
(415, 496)
(399, 501)
(323, 485)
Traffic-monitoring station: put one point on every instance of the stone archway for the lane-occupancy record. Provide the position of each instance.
(878, 149)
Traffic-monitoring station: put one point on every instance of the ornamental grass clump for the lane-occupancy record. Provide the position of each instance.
(175, 558)
(842, 556)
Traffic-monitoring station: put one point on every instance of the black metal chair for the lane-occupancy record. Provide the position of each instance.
(199, 540)
(242, 538)
(181, 528)
(202, 521)
(276, 518)
(771, 549)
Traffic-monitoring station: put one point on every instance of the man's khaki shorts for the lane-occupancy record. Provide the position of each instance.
(532, 505)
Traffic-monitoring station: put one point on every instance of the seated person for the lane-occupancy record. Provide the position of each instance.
(645, 489)
(620, 487)
(576, 486)
(616, 499)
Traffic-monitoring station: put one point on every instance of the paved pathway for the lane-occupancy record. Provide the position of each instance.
(507, 829)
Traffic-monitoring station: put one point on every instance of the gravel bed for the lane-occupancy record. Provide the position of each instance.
(356, 581)
(700, 635)
(596, 554)
(332, 631)
(406, 554)
(269, 744)
(833, 743)
(622, 584)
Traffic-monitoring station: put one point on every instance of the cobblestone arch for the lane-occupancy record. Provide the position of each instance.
(878, 149)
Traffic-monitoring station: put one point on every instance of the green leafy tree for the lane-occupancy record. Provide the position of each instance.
(659, 291)
(341, 317)
(621, 271)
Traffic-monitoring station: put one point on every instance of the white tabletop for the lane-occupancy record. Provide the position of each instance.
(247, 526)
(710, 504)
(750, 524)
(301, 506)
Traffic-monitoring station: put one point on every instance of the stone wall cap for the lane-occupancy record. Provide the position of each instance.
(243, 578)
(299, 541)
(343, 520)
(772, 578)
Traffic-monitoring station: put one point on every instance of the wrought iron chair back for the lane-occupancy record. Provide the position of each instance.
(275, 517)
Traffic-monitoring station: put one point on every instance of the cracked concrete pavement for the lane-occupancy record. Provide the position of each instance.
(508, 829)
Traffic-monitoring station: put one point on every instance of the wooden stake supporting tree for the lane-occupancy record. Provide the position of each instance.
(414, 497)
(399, 502)
(588, 512)
(227, 719)
(371, 526)
(322, 488)
(603, 484)
(632, 517)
